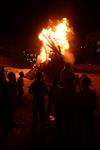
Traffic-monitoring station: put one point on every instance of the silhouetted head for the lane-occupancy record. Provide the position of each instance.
(39, 76)
(11, 76)
(67, 65)
(21, 74)
(86, 82)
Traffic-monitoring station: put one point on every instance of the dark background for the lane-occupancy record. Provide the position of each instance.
(20, 21)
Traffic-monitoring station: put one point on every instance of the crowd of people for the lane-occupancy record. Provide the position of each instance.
(71, 99)
(11, 95)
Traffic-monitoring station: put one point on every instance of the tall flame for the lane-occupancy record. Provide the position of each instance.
(54, 36)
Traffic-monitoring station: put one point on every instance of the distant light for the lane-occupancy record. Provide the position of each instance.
(81, 46)
(34, 59)
(52, 118)
(98, 43)
(31, 55)
(31, 61)
(98, 50)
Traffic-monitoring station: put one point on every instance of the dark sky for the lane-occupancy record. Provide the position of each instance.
(21, 20)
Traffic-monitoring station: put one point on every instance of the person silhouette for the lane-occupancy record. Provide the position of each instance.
(88, 105)
(80, 80)
(2, 70)
(38, 89)
(20, 84)
(66, 111)
(13, 97)
(3, 98)
(53, 96)
(66, 72)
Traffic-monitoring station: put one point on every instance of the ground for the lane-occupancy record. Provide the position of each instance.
(23, 137)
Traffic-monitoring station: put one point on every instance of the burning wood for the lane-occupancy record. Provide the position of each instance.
(55, 49)
(55, 40)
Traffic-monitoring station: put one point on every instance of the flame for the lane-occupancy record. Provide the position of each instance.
(55, 36)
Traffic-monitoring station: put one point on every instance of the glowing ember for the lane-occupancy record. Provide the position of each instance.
(55, 39)
(52, 118)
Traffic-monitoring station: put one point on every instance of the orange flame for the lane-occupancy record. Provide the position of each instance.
(57, 34)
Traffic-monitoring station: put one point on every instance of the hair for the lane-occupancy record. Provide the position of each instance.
(86, 81)
(21, 74)
(67, 65)
(11, 76)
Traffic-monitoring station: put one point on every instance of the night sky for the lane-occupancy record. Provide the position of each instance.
(22, 20)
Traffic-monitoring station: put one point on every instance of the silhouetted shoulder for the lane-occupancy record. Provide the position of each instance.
(38, 87)
(32, 87)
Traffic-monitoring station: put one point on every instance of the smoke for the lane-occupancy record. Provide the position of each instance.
(69, 57)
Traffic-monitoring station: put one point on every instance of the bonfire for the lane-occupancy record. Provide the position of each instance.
(55, 49)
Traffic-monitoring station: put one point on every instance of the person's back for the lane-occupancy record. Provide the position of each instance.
(2, 71)
(88, 106)
(88, 100)
(3, 84)
(66, 109)
(3, 98)
(87, 96)
(67, 96)
(53, 97)
(20, 84)
(66, 73)
(12, 96)
(38, 89)
(12, 87)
